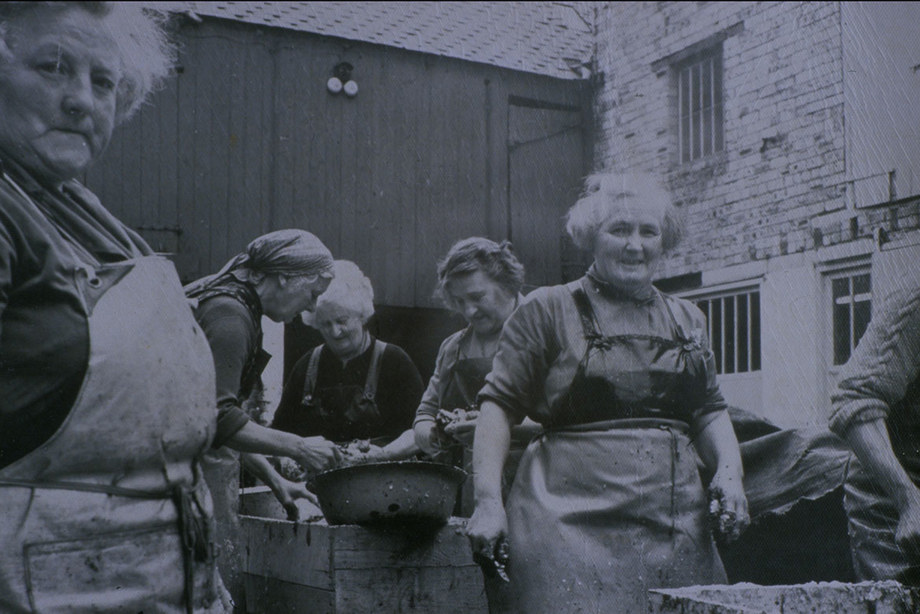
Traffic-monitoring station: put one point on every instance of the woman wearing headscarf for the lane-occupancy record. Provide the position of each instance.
(279, 275)
(353, 386)
(608, 502)
(107, 384)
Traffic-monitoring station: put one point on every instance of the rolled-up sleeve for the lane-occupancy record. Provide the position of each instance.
(227, 327)
(527, 347)
(883, 366)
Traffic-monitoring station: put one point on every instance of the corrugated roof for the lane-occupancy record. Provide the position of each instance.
(548, 38)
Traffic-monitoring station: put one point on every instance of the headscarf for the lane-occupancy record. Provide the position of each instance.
(290, 252)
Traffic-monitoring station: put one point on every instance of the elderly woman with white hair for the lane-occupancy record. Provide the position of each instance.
(608, 502)
(353, 386)
(107, 382)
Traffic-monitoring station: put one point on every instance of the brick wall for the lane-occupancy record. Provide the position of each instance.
(783, 160)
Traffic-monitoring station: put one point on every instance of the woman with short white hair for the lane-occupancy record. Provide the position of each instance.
(608, 502)
(353, 386)
(107, 382)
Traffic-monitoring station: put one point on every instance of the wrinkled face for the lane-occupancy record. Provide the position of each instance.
(288, 296)
(628, 247)
(58, 78)
(341, 327)
(481, 301)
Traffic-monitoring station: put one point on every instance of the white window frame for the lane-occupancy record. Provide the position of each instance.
(689, 74)
(719, 293)
(829, 275)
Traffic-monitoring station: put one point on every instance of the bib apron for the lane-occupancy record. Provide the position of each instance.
(608, 502)
(111, 514)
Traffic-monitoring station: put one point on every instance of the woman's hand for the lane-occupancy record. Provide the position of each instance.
(907, 534)
(462, 431)
(317, 454)
(287, 492)
(728, 508)
(486, 527)
(427, 437)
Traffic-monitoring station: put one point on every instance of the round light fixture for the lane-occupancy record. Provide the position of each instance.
(334, 85)
(351, 89)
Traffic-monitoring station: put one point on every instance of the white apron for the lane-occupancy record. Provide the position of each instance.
(111, 514)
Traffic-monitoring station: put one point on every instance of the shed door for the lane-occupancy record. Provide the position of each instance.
(545, 167)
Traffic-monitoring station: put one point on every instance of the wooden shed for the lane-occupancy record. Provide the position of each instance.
(469, 119)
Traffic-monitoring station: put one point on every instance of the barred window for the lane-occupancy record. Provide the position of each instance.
(851, 310)
(733, 329)
(699, 105)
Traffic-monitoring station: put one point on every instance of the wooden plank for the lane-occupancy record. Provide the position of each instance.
(356, 547)
(273, 596)
(297, 553)
(212, 147)
(428, 590)
(194, 244)
(250, 71)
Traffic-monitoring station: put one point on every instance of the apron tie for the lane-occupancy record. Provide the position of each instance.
(193, 530)
(674, 460)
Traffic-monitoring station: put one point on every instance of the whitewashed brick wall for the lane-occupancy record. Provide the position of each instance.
(783, 162)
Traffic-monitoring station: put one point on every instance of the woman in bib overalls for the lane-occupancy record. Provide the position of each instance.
(608, 502)
(353, 386)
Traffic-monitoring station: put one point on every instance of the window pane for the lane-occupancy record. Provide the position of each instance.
(841, 333)
(717, 101)
(862, 312)
(861, 284)
(695, 104)
(742, 303)
(707, 107)
(733, 327)
(729, 334)
(716, 340)
(704, 307)
(684, 96)
(755, 331)
(840, 287)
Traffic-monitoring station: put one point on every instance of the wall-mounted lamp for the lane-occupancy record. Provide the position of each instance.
(341, 80)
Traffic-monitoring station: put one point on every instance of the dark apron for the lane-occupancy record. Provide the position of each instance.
(466, 380)
(467, 377)
(347, 412)
(608, 502)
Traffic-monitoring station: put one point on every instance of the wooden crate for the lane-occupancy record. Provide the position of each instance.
(317, 568)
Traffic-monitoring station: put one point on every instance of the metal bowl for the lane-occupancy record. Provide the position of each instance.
(405, 491)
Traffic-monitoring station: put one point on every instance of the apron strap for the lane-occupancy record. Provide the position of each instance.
(105, 489)
(309, 382)
(373, 372)
(678, 330)
(585, 314)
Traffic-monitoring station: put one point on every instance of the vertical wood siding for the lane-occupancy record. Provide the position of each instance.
(246, 139)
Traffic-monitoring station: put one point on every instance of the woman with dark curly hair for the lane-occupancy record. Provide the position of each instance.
(481, 280)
